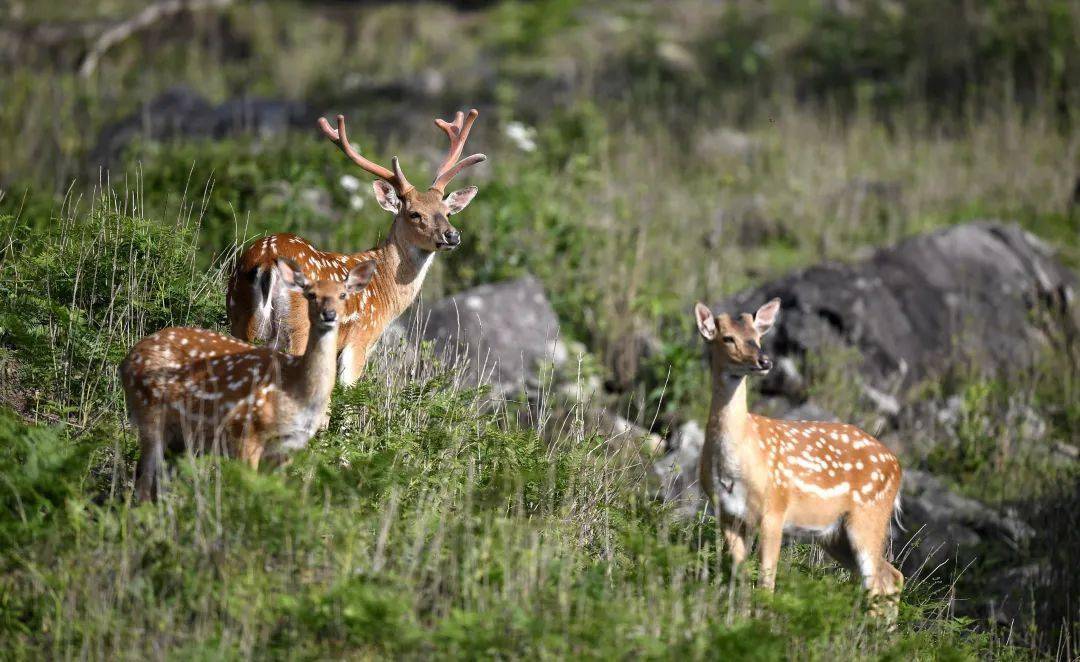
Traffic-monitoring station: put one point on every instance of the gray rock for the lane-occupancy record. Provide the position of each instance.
(397, 349)
(807, 411)
(180, 112)
(727, 144)
(619, 433)
(784, 380)
(883, 402)
(950, 413)
(969, 292)
(943, 526)
(1066, 451)
(1011, 591)
(500, 333)
(677, 471)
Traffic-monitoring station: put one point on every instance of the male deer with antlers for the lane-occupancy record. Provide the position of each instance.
(260, 309)
(204, 391)
(828, 479)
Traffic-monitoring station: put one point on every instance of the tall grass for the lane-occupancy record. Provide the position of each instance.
(423, 522)
(80, 293)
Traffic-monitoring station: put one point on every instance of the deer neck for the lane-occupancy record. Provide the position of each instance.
(401, 269)
(728, 415)
(313, 374)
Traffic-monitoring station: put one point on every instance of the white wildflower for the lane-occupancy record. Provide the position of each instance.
(350, 183)
(522, 136)
(356, 202)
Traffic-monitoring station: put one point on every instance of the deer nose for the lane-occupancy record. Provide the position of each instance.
(764, 362)
(328, 315)
(452, 237)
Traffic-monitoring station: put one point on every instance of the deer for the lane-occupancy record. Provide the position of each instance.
(204, 391)
(830, 480)
(260, 309)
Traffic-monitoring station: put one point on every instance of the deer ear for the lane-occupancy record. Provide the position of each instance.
(766, 316)
(360, 276)
(386, 196)
(706, 323)
(460, 199)
(291, 274)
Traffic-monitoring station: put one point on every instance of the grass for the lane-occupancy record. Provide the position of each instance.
(684, 151)
(421, 522)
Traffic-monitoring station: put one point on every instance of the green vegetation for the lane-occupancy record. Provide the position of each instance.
(417, 524)
(682, 151)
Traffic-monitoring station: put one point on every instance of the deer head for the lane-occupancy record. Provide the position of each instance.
(421, 218)
(325, 298)
(734, 344)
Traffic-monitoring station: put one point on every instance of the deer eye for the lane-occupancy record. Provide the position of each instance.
(342, 296)
(729, 339)
(414, 215)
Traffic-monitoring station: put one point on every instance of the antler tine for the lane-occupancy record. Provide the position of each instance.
(339, 138)
(458, 132)
(398, 173)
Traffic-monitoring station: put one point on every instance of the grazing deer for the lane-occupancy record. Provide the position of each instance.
(205, 391)
(828, 479)
(260, 309)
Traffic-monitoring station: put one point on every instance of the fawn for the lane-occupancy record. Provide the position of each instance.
(828, 479)
(205, 391)
(261, 310)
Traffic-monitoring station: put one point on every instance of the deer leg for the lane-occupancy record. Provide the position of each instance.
(251, 450)
(867, 535)
(867, 531)
(890, 578)
(324, 420)
(350, 365)
(736, 544)
(151, 456)
(772, 534)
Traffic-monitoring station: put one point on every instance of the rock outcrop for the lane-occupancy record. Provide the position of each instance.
(502, 333)
(983, 292)
(180, 112)
(944, 527)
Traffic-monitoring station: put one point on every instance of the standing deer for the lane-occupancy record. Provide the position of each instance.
(260, 309)
(828, 479)
(205, 391)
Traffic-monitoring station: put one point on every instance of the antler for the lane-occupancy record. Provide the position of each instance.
(338, 137)
(458, 132)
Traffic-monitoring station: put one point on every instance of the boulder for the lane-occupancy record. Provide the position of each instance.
(943, 526)
(618, 433)
(984, 292)
(501, 333)
(725, 144)
(396, 350)
(677, 471)
(180, 112)
(784, 380)
(1009, 593)
(807, 411)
